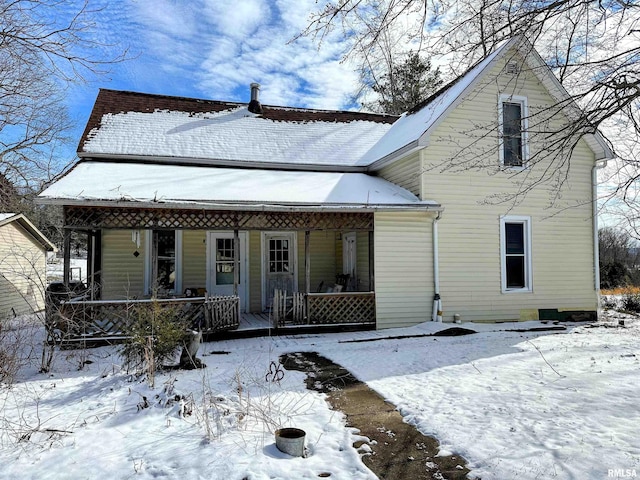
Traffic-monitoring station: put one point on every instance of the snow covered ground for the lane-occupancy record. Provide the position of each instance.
(55, 269)
(532, 405)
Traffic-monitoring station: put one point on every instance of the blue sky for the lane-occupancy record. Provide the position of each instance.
(214, 49)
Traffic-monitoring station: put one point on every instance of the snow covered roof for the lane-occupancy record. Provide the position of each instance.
(128, 124)
(412, 128)
(415, 123)
(97, 183)
(136, 126)
(6, 218)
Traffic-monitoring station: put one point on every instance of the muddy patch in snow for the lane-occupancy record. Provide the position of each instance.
(390, 447)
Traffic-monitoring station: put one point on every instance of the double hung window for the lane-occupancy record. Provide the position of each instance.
(515, 252)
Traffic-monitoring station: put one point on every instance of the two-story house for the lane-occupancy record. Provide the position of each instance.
(465, 206)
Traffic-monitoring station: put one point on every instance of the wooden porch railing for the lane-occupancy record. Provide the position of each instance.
(221, 313)
(110, 318)
(323, 308)
(79, 319)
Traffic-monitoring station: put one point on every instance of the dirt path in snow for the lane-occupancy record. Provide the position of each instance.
(396, 450)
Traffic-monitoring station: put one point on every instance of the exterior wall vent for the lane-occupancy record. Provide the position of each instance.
(512, 68)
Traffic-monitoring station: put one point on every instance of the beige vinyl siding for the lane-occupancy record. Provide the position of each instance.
(469, 231)
(340, 253)
(122, 272)
(194, 259)
(362, 261)
(322, 251)
(404, 268)
(405, 172)
(255, 271)
(22, 271)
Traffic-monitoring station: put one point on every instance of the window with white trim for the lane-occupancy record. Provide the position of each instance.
(515, 253)
(513, 125)
(168, 261)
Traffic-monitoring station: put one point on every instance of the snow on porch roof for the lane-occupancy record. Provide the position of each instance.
(97, 183)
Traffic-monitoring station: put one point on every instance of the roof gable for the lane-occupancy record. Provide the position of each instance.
(413, 125)
(411, 131)
(30, 228)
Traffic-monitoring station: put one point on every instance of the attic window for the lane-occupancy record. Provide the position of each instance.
(512, 68)
(512, 130)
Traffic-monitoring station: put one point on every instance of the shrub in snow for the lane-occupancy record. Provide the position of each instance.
(153, 337)
(631, 302)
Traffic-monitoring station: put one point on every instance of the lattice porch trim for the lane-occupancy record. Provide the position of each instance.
(350, 307)
(157, 218)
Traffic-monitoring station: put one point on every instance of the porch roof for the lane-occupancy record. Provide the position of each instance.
(142, 184)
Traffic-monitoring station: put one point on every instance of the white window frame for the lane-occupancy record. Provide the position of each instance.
(148, 236)
(507, 98)
(528, 274)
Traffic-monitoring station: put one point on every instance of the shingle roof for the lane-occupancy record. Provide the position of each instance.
(129, 123)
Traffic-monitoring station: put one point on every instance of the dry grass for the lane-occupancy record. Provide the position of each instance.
(621, 291)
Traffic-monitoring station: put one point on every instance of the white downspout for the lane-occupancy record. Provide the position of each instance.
(596, 248)
(436, 315)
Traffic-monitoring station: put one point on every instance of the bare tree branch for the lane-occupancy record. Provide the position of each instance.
(44, 48)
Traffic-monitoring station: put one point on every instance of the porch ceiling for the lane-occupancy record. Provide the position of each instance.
(93, 183)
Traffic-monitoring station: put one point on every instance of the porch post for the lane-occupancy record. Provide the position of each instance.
(236, 261)
(94, 261)
(236, 267)
(66, 252)
(307, 262)
(371, 263)
(90, 255)
(154, 264)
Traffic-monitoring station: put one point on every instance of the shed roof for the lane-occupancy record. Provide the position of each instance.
(98, 183)
(25, 223)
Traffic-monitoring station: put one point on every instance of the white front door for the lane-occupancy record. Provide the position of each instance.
(349, 260)
(279, 265)
(220, 269)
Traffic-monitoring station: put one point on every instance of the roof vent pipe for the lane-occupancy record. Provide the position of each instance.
(254, 104)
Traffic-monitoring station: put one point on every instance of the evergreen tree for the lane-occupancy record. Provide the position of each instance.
(404, 85)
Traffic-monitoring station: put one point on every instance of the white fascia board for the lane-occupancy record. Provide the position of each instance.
(31, 229)
(596, 142)
(10, 219)
(424, 138)
(249, 207)
(395, 156)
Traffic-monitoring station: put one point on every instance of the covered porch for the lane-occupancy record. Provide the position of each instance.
(302, 248)
(221, 270)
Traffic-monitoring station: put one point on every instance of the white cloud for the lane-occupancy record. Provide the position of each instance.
(237, 19)
(219, 47)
